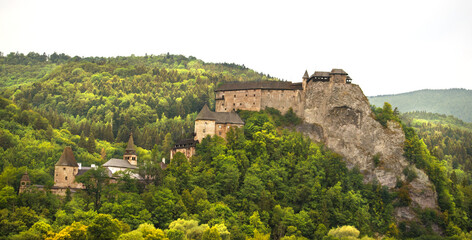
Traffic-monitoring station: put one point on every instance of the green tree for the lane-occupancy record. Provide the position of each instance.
(94, 181)
(104, 227)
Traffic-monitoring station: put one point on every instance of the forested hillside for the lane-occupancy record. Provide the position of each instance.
(265, 181)
(110, 97)
(454, 102)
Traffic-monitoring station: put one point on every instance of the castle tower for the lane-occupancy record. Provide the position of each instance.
(305, 80)
(66, 169)
(204, 123)
(25, 182)
(338, 76)
(130, 152)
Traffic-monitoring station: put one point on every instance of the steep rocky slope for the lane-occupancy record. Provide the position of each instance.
(340, 116)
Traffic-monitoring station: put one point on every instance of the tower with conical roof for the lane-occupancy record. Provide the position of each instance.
(66, 169)
(130, 152)
(25, 182)
(305, 79)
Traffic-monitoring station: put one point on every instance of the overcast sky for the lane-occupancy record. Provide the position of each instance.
(385, 46)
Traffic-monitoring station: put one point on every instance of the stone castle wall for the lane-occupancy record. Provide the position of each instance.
(203, 128)
(227, 101)
(259, 99)
(283, 100)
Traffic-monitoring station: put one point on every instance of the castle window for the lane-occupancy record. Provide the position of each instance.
(219, 133)
(240, 103)
(254, 95)
(204, 130)
(205, 123)
(246, 95)
(234, 95)
(66, 177)
(64, 169)
(223, 104)
(234, 104)
(253, 103)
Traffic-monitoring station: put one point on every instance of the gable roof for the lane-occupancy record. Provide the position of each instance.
(219, 117)
(67, 158)
(268, 85)
(338, 71)
(116, 162)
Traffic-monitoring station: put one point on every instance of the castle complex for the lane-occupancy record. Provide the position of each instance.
(229, 97)
(252, 96)
(67, 169)
(256, 96)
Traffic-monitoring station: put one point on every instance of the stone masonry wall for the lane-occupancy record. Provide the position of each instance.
(228, 101)
(204, 128)
(64, 176)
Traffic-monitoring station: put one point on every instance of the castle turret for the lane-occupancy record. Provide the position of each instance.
(305, 79)
(25, 182)
(338, 76)
(130, 152)
(66, 169)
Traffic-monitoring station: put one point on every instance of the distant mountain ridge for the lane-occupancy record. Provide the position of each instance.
(456, 102)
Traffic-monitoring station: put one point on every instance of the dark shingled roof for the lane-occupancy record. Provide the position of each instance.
(121, 163)
(338, 71)
(219, 117)
(83, 170)
(185, 143)
(320, 74)
(67, 158)
(272, 85)
(305, 76)
(130, 149)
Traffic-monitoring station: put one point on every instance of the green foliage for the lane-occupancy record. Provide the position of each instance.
(385, 114)
(104, 227)
(344, 232)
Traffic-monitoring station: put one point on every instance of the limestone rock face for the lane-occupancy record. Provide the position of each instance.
(340, 116)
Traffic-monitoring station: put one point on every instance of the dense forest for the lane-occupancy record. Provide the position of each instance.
(448, 101)
(265, 181)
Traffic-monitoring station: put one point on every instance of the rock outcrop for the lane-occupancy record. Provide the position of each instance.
(340, 116)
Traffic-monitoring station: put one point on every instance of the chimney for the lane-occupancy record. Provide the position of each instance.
(80, 165)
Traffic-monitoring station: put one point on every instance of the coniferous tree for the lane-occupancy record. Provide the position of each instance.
(91, 146)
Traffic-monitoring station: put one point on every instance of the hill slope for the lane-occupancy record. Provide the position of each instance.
(449, 101)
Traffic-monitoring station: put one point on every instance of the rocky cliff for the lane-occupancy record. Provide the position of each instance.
(340, 116)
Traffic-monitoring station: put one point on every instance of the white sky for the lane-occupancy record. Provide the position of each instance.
(385, 46)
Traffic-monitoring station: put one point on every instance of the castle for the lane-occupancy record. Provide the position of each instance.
(67, 169)
(252, 96)
(229, 97)
(256, 96)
